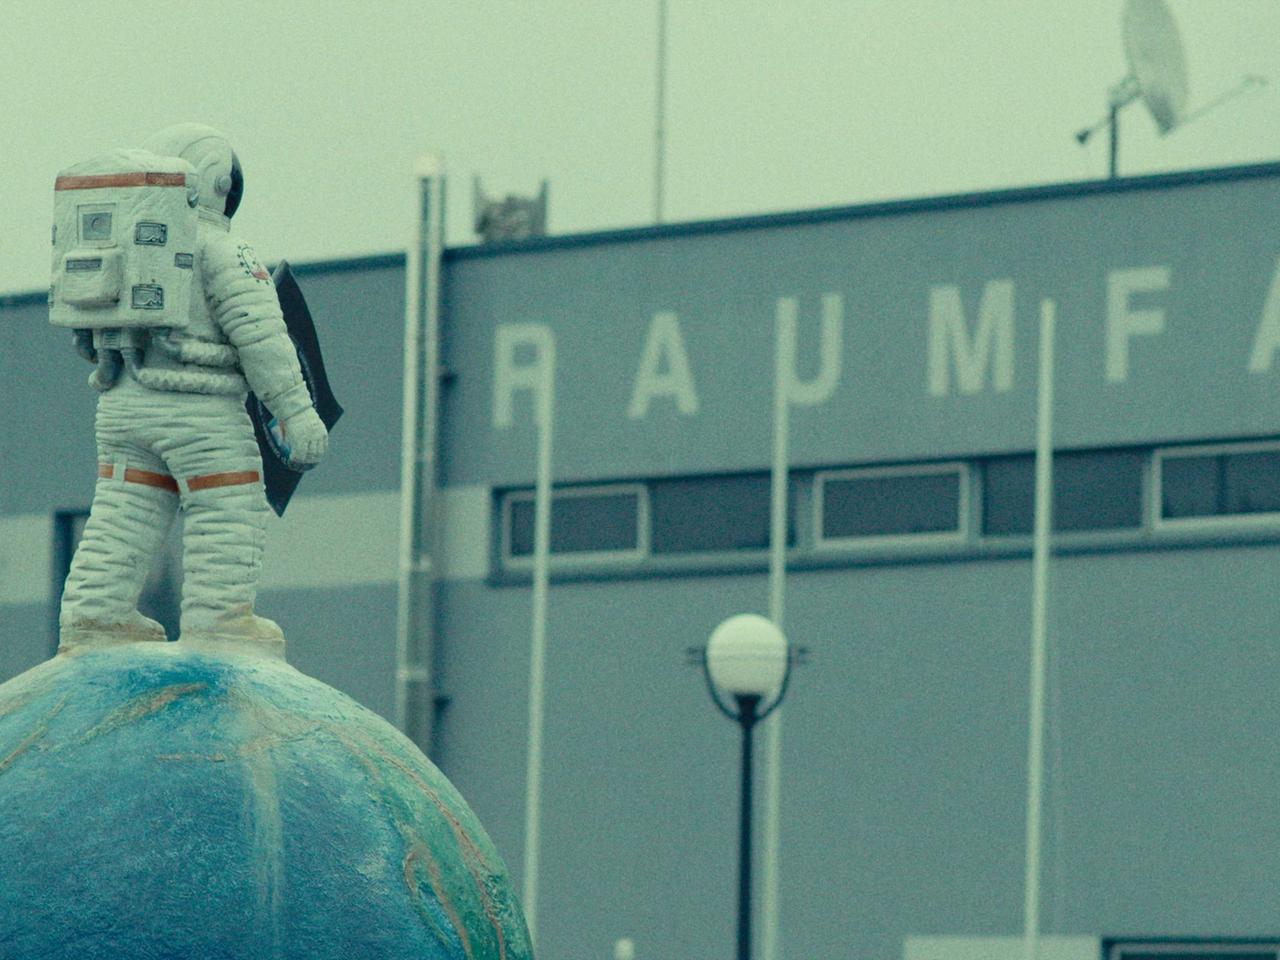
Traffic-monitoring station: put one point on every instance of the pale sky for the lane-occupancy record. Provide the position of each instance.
(771, 105)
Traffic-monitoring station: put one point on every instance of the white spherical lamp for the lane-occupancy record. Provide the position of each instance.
(747, 656)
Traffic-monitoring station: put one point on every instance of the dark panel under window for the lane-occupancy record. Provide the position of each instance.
(706, 514)
(1219, 485)
(891, 505)
(580, 523)
(1092, 490)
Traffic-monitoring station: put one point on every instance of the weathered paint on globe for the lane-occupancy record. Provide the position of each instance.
(160, 801)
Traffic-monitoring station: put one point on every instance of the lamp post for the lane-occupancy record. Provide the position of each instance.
(747, 659)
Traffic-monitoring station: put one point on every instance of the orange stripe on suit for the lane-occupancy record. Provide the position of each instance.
(140, 179)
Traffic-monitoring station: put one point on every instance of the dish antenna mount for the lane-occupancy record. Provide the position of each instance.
(1157, 72)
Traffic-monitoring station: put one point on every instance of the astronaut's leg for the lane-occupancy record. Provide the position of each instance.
(223, 539)
(215, 460)
(133, 505)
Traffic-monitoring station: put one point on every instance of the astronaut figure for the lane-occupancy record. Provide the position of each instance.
(172, 432)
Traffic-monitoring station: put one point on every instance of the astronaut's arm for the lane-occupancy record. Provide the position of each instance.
(243, 303)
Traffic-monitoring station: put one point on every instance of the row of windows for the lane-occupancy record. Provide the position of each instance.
(1099, 490)
(691, 515)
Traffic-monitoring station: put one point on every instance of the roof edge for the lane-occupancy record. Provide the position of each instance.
(1050, 191)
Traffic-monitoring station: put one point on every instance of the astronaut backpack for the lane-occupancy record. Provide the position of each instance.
(124, 241)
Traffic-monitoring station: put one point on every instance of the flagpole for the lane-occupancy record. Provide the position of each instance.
(783, 364)
(660, 116)
(1039, 628)
(538, 646)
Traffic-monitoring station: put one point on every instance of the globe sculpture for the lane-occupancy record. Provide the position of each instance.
(186, 800)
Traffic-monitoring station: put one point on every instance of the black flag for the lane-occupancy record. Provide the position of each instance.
(279, 475)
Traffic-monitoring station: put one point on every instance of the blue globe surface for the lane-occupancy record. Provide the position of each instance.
(164, 801)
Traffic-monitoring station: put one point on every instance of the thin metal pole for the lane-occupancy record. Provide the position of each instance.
(538, 645)
(1039, 628)
(783, 365)
(1113, 125)
(1057, 782)
(660, 110)
(747, 719)
(413, 714)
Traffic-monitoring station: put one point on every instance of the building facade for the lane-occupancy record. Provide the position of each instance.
(904, 736)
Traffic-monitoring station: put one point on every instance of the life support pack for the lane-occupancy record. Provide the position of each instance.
(124, 243)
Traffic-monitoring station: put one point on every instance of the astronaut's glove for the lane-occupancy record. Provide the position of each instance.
(305, 437)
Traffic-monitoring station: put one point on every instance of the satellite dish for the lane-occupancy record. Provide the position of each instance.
(1157, 71)
(1156, 61)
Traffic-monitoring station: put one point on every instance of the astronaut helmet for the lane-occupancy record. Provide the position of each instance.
(219, 179)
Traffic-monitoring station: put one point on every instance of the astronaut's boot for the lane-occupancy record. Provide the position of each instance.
(77, 635)
(126, 528)
(222, 545)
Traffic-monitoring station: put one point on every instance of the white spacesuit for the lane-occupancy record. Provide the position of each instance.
(172, 432)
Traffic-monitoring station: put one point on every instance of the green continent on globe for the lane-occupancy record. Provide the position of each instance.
(164, 800)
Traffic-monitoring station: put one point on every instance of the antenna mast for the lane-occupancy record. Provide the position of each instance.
(1157, 73)
(660, 110)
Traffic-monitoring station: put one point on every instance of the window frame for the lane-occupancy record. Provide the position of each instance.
(964, 510)
(1215, 522)
(1118, 948)
(592, 558)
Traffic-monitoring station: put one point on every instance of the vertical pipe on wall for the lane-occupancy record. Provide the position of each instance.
(1039, 628)
(783, 364)
(414, 693)
(538, 645)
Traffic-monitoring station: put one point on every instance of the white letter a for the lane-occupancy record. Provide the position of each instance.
(664, 343)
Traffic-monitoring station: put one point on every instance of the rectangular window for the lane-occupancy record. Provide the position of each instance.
(856, 506)
(1241, 481)
(1092, 490)
(712, 514)
(1191, 950)
(585, 522)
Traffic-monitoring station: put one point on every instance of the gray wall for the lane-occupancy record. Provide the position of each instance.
(358, 309)
(905, 743)
(46, 443)
(1214, 238)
